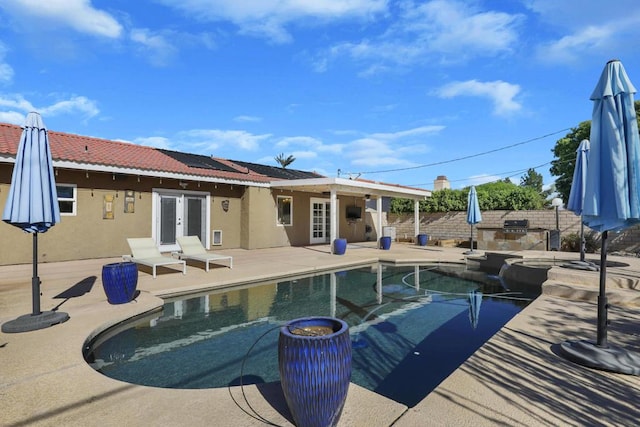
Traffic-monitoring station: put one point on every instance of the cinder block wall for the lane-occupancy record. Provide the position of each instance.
(453, 225)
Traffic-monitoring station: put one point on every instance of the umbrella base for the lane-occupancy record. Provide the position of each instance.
(610, 358)
(32, 322)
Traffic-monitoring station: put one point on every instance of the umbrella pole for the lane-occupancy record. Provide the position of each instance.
(471, 248)
(602, 297)
(35, 280)
(583, 243)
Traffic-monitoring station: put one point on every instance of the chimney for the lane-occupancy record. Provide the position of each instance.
(441, 183)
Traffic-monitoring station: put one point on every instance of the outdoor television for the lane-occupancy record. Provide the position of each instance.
(354, 212)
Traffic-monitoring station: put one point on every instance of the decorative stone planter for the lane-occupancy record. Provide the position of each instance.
(423, 239)
(339, 246)
(119, 281)
(385, 243)
(314, 359)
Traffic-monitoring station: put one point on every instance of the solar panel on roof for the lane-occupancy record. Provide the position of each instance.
(198, 161)
(277, 172)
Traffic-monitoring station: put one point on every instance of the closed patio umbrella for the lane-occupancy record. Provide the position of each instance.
(475, 300)
(611, 201)
(576, 196)
(473, 213)
(32, 205)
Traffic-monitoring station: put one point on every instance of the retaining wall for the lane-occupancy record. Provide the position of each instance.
(453, 226)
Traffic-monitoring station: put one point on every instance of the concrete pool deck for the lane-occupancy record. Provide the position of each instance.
(516, 378)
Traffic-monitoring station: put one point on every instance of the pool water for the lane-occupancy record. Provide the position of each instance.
(411, 327)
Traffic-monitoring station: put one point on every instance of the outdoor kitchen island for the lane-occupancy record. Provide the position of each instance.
(515, 235)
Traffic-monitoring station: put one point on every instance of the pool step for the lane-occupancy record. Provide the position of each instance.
(580, 285)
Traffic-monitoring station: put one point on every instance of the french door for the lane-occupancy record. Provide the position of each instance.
(320, 221)
(179, 214)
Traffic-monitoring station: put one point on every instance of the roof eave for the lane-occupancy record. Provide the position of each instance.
(351, 187)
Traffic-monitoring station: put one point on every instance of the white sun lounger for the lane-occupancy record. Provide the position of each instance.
(144, 251)
(191, 248)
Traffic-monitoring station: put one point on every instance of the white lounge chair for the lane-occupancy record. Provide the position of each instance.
(144, 251)
(191, 248)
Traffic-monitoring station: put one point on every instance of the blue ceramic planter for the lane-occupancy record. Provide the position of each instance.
(422, 239)
(119, 281)
(339, 246)
(315, 370)
(385, 243)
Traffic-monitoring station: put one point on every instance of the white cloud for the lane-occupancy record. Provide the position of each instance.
(575, 14)
(12, 117)
(247, 119)
(79, 15)
(154, 45)
(210, 139)
(390, 149)
(269, 18)
(419, 131)
(440, 31)
(6, 71)
(502, 94)
(304, 154)
(572, 47)
(76, 104)
(298, 140)
(16, 102)
(154, 141)
(310, 144)
(15, 107)
(587, 28)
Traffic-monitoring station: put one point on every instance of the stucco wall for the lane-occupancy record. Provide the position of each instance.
(259, 228)
(87, 235)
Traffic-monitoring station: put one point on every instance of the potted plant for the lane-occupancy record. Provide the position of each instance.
(314, 359)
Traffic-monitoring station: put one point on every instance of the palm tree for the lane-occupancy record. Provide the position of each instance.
(284, 161)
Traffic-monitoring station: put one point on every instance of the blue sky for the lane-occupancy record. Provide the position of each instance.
(388, 90)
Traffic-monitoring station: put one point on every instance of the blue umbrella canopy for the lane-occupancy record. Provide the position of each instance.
(473, 207)
(576, 196)
(612, 199)
(32, 203)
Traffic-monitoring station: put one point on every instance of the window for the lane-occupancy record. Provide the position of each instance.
(67, 195)
(285, 210)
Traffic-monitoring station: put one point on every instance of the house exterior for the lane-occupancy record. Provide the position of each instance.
(109, 191)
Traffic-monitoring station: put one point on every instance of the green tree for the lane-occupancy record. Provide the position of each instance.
(565, 157)
(532, 180)
(499, 195)
(445, 200)
(565, 154)
(284, 161)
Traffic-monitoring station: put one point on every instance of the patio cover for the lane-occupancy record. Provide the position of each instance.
(356, 188)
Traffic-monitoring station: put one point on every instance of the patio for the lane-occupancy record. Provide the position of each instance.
(516, 378)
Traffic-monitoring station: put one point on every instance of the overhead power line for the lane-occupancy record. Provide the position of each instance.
(457, 159)
(503, 175)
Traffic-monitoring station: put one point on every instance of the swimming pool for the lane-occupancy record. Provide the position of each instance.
(411, 326)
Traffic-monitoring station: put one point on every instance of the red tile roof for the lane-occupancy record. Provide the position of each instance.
(85, 150)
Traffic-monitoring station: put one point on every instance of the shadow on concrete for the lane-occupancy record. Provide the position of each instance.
(558, 392)
(81, 288)
(270, 392)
